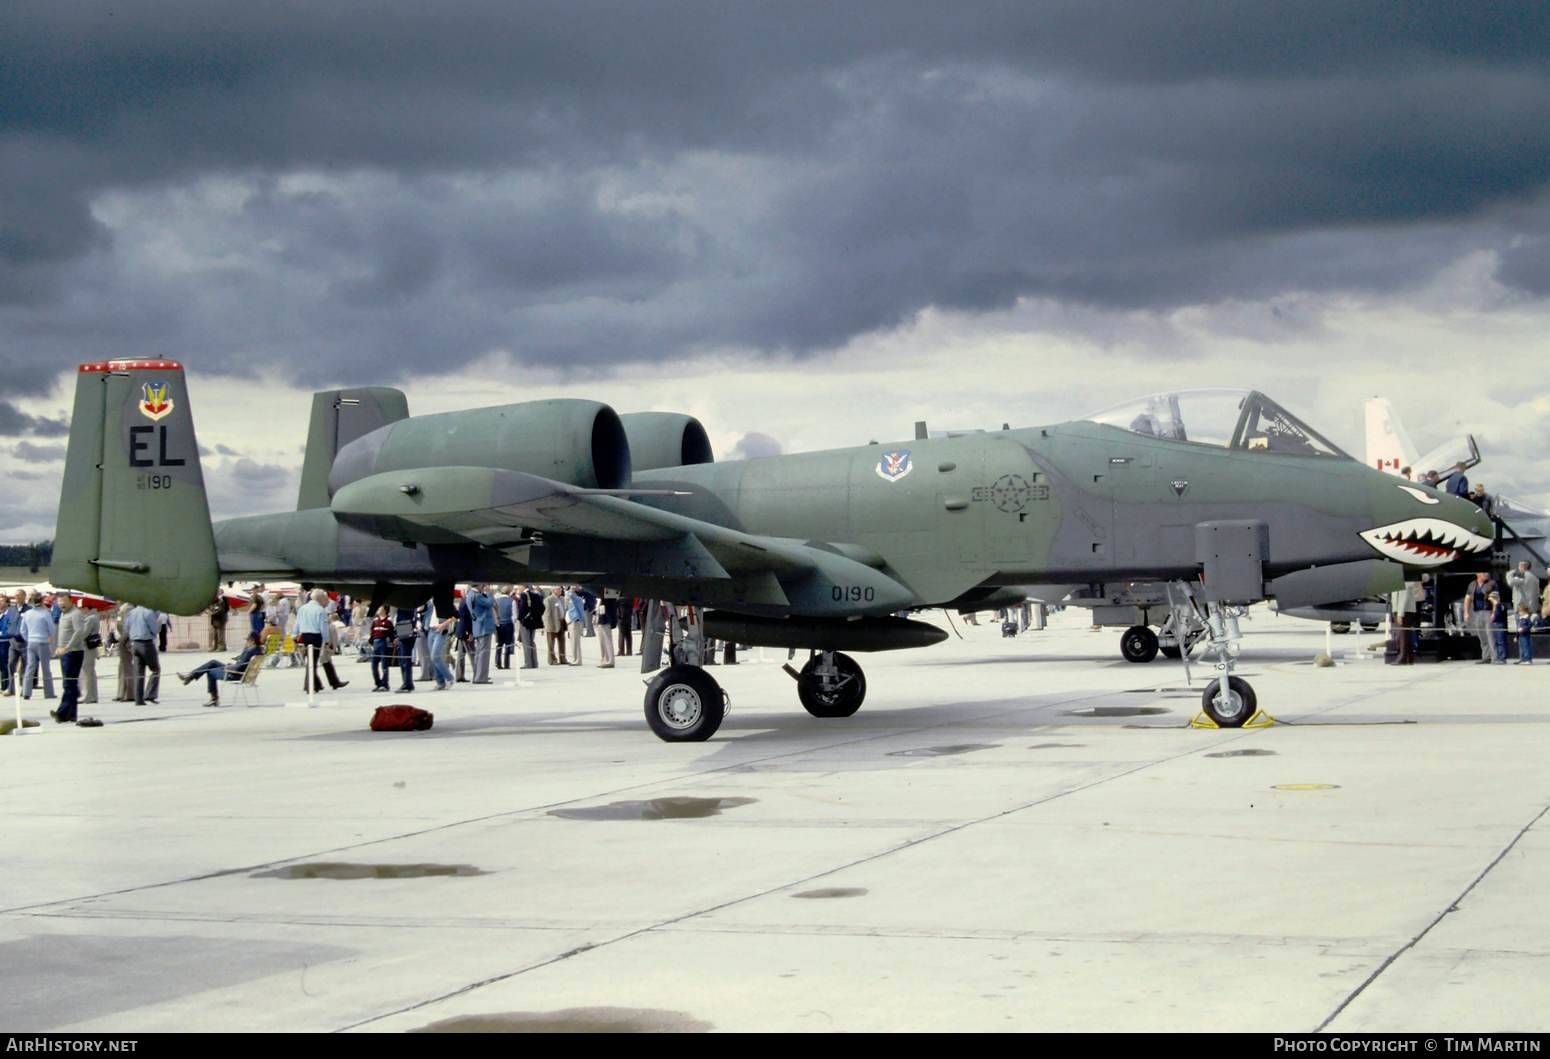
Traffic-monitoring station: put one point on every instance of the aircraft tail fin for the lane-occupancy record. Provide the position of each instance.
(134, 522)
(338, 418)
(1389, 448)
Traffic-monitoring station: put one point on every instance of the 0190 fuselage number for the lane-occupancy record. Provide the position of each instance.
(853, 594)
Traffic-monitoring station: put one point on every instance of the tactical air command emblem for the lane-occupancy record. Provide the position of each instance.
(894, 465)
(155, 404)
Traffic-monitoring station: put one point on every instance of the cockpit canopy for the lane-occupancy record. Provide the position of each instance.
(1231, 419)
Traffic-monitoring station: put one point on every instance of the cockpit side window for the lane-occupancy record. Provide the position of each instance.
(1267, 427)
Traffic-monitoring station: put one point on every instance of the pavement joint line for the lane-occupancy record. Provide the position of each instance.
(36, 908)
(910, 844)
(1453, 906)
(509, 813)
(1339, 946)
(767, 891)
(695, 776)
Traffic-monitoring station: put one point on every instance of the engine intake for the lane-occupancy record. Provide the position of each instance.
(665, 439)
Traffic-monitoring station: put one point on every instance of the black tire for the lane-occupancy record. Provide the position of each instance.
(1340, 628)
(1191, 641)
(1371, 626)
(1139, 644)
(841, 700)
(684, 704)
(1234, 713)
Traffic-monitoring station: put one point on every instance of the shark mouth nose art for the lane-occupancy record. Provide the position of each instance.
(1424, 541)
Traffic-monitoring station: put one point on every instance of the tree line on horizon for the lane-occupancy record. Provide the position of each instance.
(34, 556)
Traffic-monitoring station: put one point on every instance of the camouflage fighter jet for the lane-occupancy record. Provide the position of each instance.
(1222, 496)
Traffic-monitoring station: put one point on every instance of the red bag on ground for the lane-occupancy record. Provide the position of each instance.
(401, 719)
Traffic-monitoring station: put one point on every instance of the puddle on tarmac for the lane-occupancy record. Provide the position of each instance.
(1057, 746)
(1243, 753)
(573, 1020)
(944, 751)
(832, 891)
(367, 871)
(1117, 711)
(655, 809)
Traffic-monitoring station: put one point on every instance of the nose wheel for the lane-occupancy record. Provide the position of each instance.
(1232, 708)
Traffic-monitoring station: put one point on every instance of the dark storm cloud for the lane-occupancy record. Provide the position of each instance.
(238, 485)
(27, 451)
(388, 189)
(14, 421)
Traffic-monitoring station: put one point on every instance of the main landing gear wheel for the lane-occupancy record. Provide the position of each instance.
(835, 690)
(1340, 627)
(1238, 706)
(684, 704)
(1168, 644)
(1139, 644)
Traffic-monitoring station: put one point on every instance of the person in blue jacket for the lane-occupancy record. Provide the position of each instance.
(481, 609)
(8, 620)
(505, 627)
(1499, 627)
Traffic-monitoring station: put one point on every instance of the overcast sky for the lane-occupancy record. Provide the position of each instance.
(808, 223)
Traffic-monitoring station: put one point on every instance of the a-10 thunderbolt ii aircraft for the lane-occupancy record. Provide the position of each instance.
(1224, 497)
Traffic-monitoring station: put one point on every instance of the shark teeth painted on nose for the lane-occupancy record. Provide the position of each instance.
(1424, 541)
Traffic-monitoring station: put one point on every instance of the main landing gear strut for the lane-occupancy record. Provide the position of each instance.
(1174, 640)
(684, 704)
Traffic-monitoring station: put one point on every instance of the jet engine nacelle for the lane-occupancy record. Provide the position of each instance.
(580, 443)
(665, 439)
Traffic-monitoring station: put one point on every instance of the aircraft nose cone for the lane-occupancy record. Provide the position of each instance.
(1477, 521)
(1421, 527)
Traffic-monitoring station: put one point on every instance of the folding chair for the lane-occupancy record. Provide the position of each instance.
(247, 687)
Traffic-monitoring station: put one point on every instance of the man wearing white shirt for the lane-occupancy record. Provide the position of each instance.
(311, 628)
(141, 629)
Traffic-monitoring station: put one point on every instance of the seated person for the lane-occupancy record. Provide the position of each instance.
(215, 671)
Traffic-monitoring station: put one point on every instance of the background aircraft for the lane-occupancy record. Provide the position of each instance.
(1223, 497)
(1391, 451)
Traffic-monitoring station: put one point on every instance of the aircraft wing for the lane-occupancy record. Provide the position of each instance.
(604, 531)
